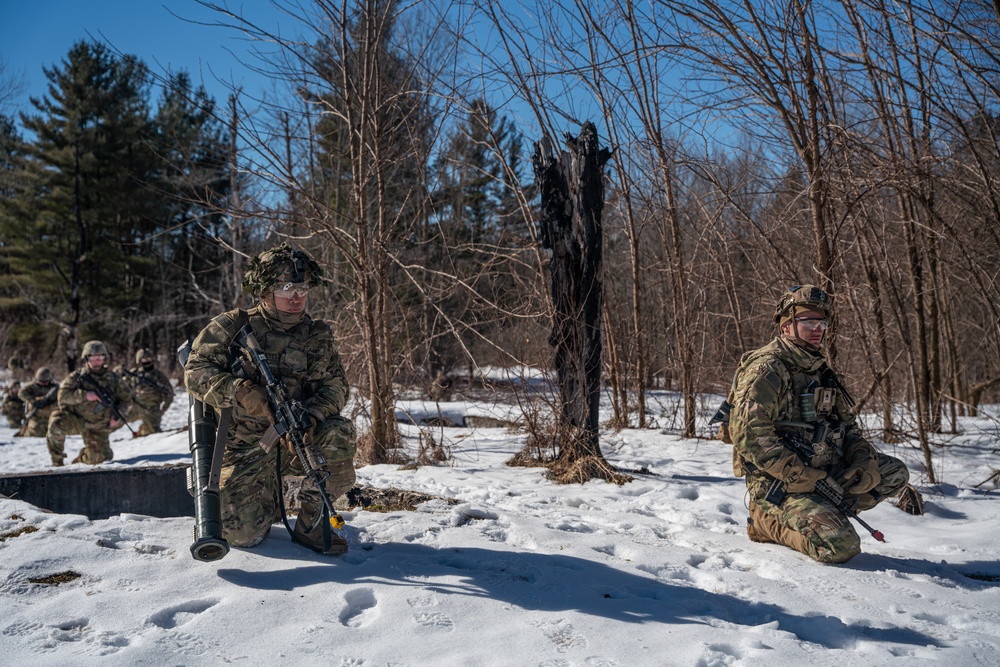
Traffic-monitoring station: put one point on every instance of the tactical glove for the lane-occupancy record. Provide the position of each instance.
(798, 477)
(803, 480)
(862, 476)
(253, 400)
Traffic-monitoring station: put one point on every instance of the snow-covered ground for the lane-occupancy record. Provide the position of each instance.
(520, 571)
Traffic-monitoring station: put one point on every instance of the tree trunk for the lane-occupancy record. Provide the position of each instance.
(572, 191)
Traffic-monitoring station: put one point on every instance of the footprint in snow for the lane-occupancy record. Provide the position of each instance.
(178, 615)
(562, 635)
(435, 620)
(361, 608)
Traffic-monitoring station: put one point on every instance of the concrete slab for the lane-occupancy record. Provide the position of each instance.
(105, 492)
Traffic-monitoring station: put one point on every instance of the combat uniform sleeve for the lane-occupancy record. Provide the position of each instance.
(327, 386)
(206, 374)
(71, 391)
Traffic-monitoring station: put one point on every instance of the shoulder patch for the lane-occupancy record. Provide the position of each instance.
(232, 321)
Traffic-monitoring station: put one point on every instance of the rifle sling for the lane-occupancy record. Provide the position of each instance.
(218, 451)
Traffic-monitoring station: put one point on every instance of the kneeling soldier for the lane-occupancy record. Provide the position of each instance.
(92, 402)
(792, 425)
(303, 356)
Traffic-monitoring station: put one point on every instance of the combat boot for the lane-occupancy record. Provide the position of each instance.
(321, 537)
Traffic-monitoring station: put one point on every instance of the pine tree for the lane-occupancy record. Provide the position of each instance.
(74, 228)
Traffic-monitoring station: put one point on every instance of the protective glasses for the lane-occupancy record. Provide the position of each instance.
(292, 290)
(813, 323)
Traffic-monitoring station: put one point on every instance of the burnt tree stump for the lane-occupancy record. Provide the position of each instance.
(571, 185)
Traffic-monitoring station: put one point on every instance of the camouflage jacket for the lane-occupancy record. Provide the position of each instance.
(33, 393)
(151, 389)
(303, 357)
(73, 397)
(767, 403)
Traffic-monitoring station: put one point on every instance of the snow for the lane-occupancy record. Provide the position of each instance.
(517, 570)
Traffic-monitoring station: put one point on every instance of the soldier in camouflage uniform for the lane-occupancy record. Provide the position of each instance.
(12, 406)
(39, 398)
(151, 392)
(81, 411)
(787, 387)
(302, 354)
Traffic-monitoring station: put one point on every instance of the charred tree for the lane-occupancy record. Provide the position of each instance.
(572, 193)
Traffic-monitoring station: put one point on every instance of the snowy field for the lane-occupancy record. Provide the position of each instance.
(520, 571)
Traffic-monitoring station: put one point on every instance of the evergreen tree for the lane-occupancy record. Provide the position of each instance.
(74, 230)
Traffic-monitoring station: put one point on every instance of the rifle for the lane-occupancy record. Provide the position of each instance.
(106, 399)
(45, 401)
(776, 492)
(291, 421)
(152, 383)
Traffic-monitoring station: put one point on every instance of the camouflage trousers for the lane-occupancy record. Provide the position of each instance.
(806, 523)
(96, 441)
(150, 419)
(37, 427)
(249, 491)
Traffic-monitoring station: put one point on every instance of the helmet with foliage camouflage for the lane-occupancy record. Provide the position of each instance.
(798, 298)
(44, 374)
(144, 353)
(269, 267)
(94, 347)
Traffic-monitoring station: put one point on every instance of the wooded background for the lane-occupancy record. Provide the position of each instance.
(756, 145)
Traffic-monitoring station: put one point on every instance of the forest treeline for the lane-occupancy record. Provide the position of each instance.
(755, 145)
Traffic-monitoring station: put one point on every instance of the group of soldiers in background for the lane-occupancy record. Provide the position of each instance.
(92, 401)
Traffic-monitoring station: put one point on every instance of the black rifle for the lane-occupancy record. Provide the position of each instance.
(41, 404)
(145, 380)
(291, 421)
(106, 399)
(776, 492)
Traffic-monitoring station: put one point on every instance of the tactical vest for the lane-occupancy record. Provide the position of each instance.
(810, 409)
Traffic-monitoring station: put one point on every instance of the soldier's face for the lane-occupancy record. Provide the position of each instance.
(291, 297)
(96, 361)
(809, 326)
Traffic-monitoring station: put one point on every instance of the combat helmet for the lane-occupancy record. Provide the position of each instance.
(267, 268)
(94, 347)
(798, 298)
(44, 374)
(144, 353)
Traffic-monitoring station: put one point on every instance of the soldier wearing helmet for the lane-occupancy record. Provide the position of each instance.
(301, 351)
(151, 392)
(787, 388)
(87, 401)
(12, 406)
(39, 398)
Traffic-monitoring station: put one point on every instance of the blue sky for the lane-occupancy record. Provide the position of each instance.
(39, 33)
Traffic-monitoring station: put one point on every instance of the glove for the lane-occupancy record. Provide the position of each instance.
(253, 400)
(862, 476)
(803, 479)
(798, 477)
